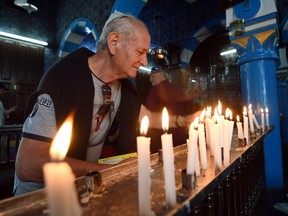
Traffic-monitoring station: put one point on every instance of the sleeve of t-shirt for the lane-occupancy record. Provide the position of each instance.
(41, 123)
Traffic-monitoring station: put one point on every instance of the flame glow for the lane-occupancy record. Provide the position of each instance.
(244, 110)
(144, 126)
(165, 120)
(61, 142)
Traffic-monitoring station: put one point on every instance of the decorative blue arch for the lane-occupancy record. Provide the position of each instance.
(75, 34)
(133, 7)
(198, 36)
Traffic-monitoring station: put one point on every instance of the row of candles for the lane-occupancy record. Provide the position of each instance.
(215, 132)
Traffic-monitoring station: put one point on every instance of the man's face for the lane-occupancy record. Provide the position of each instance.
(133, 53)
(156, 78)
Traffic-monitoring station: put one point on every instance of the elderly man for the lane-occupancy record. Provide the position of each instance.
(94, 87)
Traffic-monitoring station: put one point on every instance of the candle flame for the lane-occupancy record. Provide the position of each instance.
(227, 112)
(144, 125)
(219, 107)
(266, 110)
(215, 111)
(250, 107)
(61, 142)
(191, 127)
(230, 114)
(202, 115)
(261, 110)
(196, 122)
(165, 120)
(238, 119)
(208, 112)
(244, 110)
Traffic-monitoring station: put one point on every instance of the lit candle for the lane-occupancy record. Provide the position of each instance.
(267, 117)
(192, 148)
(168, 161)
(245, 120)
(202, 142)
(197, 165)
(262, 120)
(226, 146)
(208, 126)
(231, 126)
(239, 128)
(144, 181)
(216, 143)
(250, 119)
(59, 178)
(220, 122)
(255, 121)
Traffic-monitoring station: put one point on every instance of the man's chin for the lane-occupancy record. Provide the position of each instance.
(132, 74)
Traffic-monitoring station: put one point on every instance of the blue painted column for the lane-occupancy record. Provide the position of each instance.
(259, 88)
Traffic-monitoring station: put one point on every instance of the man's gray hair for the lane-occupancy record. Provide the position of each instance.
(121, 23)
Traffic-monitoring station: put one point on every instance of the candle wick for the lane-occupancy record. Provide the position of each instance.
(56, 159)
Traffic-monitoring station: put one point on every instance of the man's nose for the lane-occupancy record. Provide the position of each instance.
(144, 60)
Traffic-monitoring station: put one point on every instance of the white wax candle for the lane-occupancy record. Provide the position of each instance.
(59, 178)
(255, 122)
(221, 130)
(229, 141)
(226, 148)
(267, 117)
(197, 165)
(207, 125)
(239, 128)
(262, 120)
(168, 161)
(251, 124)
(217, 146)
(209, 135)
(191, 155)
(192, 150)
(245, 121)
(231, 128)
(144, 181)
(202, 146)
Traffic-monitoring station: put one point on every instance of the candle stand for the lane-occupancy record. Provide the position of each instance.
(233, 190)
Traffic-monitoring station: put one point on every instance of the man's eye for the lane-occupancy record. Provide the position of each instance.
(140, 52)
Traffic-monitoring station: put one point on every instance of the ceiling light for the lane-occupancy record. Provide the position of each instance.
(26, 6)
(18, 37)
(29, 7)
(227, 52)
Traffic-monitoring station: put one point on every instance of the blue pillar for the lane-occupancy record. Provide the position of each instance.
(259, 87)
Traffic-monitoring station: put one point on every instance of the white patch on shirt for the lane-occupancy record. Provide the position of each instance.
(42, 120)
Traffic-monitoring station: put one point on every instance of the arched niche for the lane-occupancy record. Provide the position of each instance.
(198, 36)
(80, 33)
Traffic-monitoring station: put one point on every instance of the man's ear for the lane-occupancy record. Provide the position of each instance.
(112, 40)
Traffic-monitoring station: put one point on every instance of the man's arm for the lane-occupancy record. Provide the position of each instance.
(33, 154)
(155, 119)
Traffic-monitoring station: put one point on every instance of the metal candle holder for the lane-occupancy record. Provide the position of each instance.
(189, 181)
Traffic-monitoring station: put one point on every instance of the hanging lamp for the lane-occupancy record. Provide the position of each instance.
(158, 52)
